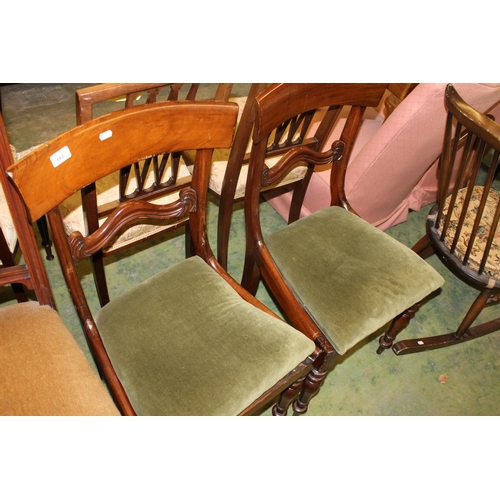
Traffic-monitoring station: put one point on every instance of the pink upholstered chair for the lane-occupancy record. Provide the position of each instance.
(394, 162)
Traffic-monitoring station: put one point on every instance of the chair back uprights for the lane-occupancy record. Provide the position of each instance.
(468, 209)
(309, 128)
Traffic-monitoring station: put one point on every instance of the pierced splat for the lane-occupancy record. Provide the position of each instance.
(291, 132)
(153, 174)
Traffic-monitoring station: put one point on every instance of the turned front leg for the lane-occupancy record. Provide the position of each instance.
(398, 324)
(287, 397)
(310, 388)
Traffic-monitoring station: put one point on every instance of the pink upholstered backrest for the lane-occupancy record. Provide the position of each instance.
(396, 169)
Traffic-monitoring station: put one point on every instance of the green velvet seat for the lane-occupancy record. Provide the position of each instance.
(350, 277)
(154, 335)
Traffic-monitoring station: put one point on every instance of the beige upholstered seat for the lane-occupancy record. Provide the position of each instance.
(108, 192)
(44, 371)
(6, 223)
(219, 166)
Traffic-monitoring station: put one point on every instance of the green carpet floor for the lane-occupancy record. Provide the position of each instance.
(459, 380)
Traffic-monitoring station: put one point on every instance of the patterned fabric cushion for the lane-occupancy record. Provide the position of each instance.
(492, 267)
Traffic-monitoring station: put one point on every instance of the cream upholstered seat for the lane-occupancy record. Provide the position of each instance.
(219, 166)
(8, 244)
(6, 223)
(107, 193)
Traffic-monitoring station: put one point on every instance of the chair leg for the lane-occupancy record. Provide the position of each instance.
(474, 311)
(397, 325)
(310, 388)
(43, 228)
(251, 276)
(298, 195)
(462, 334)
(423, 247)
(100, 278)
(188, 242)
(287, 397)
(223, 228)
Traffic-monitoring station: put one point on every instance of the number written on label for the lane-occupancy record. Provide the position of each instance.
(60, 156)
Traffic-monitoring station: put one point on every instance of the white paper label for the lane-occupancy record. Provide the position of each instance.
(60, 156)
(105, 135)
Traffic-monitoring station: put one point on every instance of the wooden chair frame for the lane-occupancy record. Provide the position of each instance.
(174, 133)
(31, 274)
(287, 138)
(44, 371)
(287, 135)
(469, 135)
(274, 106)
(86, 98)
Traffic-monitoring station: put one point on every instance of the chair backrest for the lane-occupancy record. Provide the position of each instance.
(87, 97)
(154, 176)
(467, 183)
(31, 274)
(310, 128)
(290, 100)
(63, 166)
